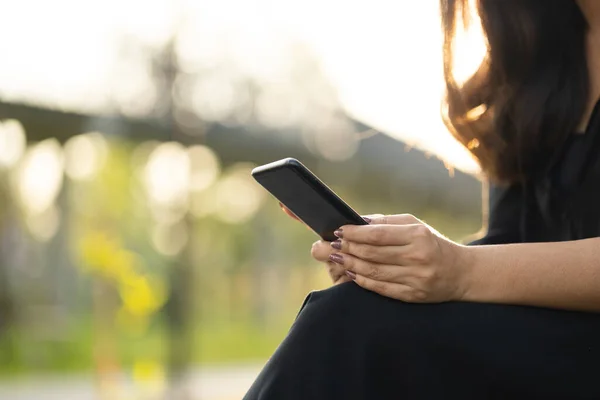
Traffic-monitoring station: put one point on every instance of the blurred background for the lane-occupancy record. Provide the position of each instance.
(138, 258)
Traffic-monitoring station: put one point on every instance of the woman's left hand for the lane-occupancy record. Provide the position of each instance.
(401, 257)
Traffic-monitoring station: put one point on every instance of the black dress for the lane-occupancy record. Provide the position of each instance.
(349, 343)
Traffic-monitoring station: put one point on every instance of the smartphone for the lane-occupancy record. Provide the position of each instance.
(306, 196)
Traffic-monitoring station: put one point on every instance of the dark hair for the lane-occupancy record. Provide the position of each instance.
(531, 89)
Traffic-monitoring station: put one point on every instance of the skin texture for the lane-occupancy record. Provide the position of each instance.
(401, 257)
(398, 256)
(335, 270)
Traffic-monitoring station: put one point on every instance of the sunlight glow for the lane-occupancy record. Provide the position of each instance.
(380, 62)
(205, 167)
(141, 154)
(85, 155)
(169, 239)
(215, 99)
(469, 46)
(167, 174)
(39, 176)
(473, 144)
(338, 141)
(238, 196)
(204, 203)
(12, 142)
(389, 74)
(43, 226)
(476, 112)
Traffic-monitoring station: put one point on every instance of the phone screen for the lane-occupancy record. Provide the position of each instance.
(307, 197)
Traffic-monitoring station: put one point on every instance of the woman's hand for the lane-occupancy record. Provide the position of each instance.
(401, 257)
(321, 250)
(288, 212)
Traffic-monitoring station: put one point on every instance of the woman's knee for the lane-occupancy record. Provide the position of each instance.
(338, 298)
(348, 309)
(345, 307)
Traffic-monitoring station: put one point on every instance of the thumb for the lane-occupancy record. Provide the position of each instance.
(288, 211)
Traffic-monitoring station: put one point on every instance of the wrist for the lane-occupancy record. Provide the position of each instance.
(468, 267)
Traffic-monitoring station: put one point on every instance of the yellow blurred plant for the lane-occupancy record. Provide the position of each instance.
(141, 294)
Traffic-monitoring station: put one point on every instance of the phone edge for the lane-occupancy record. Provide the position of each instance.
(309, 177)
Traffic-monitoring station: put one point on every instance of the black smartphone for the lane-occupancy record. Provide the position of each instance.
(306, 196)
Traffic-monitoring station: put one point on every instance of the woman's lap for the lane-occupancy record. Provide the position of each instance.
(350, 343)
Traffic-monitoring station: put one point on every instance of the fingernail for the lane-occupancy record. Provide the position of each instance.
(351, 275)
(367, 220)
(339, 233)
(337, 244)
(336, 258)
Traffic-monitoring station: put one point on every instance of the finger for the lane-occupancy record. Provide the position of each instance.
(394, 290)
(379, 272)
(337, 273)
(379, 254)
(383, 235)
(288, 212)
(397, 219)
(370, 217)
(321, 250)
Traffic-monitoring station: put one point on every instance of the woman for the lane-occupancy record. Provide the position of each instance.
(514, 317)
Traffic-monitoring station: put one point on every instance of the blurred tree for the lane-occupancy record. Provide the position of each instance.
(7, 309)
(180, 277)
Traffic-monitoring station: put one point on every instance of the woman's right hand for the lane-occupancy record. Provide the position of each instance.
(320, 251)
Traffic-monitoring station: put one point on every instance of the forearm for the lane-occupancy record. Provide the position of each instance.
(562, 275)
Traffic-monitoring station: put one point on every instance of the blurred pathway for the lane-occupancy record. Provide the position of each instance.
(210, 383)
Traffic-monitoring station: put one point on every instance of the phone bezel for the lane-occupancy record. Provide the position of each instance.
(315, 183)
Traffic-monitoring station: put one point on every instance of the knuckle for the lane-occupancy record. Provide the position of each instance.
(419, 295)
(429, 275)
(364, 252)
(426, 256)
(377, 233)
(350, 248)
(421, 231)
(349, 262)
(427, 279)
(408, 218)
(420, 256)
(333, 268)
(375, 272)
(334, 272)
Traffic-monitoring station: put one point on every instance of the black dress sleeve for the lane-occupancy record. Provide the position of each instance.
(505, 215)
